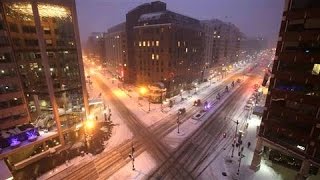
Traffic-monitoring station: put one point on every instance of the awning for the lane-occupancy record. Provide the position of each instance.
(5, 172)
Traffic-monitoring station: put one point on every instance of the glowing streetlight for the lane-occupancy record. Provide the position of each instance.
(89, 124)
(143, 90)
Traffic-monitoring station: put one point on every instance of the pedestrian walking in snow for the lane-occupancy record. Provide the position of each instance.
(249, 143)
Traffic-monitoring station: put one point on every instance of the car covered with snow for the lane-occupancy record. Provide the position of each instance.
(199, 115)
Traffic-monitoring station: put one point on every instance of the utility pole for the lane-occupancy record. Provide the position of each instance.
(132, 157)
(149, 102)
(104, 112)
(240, 158)
(178, 122)
(235, 136)
(161, 101)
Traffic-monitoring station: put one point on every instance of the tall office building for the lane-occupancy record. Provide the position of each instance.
(290, 127)
(41, 68)
(132, 18)
(162, 47)
(95, 45)
(222, 42)
(168, 48)
(253, 44)
(116, 58)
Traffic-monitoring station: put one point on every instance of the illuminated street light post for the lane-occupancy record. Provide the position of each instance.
(88, 126)
(142, 92)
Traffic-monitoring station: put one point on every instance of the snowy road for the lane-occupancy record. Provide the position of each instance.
(195, 153)
(110, 162)
(150, 138)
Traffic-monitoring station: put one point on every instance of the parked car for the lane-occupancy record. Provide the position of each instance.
(248, 107)
(197, 102)
(199, 115)
(182, 110)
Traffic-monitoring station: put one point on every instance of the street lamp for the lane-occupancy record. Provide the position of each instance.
(240, 158)
(149, 102)
(89, 124)
(196, 88)
(142, 91)
(178, 122)
(131, 156)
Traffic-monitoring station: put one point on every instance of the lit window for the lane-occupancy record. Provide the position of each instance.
(186, 50)
(144, 43)
(140, 44)
(152, 43)
(152, 56)
(48, 41)
(148, 43)
(218, 36)
(178, 43)
(157, 56)
(316, 69)
(157, 43)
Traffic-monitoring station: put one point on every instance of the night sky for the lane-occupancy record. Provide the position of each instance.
(253, 17)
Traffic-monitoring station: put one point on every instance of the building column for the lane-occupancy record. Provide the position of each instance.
(46, 68)
(256, 160)
(36, 103)
(304, 170)
(80, 61)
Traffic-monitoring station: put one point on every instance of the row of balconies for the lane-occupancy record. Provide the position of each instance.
(294, 96)
(292, 143)
(287, 115)
(299, 57)
(306, 35)
(302, 78)
(303, 13)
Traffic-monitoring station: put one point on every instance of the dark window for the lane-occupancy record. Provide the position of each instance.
(29, 29)
(2, 26)
(4, 105)
(31, 42)
(17, 42)
(4, 41)
(13, 27)
(295, 67)
(15, 102)
(298, 4)
(5, 58)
